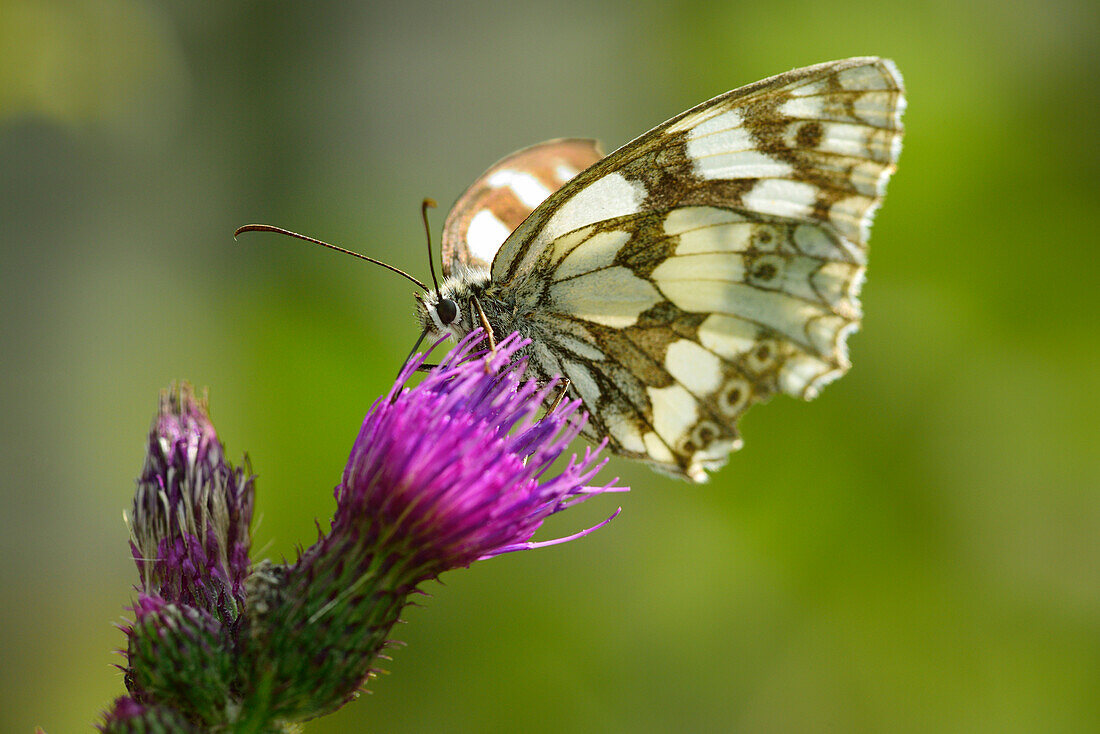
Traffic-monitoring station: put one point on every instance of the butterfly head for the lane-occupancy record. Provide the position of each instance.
(448, 311)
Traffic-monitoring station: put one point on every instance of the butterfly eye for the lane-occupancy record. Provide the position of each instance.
(447, 311)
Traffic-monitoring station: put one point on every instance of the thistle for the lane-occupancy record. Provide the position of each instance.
(441, 475)
(191, 512)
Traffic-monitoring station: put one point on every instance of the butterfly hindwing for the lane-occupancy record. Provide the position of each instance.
(670, 324)
(711, 262)
(502, 197)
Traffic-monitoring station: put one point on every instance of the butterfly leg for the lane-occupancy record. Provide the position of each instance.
(488, 332)
(562, 389)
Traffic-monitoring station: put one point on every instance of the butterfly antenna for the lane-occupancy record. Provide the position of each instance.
(288, 233)
(428, 233)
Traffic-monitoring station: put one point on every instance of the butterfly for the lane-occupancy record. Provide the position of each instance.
(697, 270)
(701, 268)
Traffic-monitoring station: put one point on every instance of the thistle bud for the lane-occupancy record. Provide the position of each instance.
(191, 512)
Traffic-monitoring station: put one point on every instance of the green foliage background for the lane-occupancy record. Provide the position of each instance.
(915, 551)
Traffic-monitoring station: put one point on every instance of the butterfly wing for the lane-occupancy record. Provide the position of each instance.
(502, 197)
(713, 261)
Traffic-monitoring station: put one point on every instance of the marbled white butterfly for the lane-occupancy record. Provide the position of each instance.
(695, 271)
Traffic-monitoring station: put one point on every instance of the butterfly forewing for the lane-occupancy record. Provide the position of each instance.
(711, 262)
(502, 197)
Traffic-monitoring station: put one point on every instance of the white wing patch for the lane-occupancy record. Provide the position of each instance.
(564, 172)
(529, 190)
(675, 410)
(624, 430)
(718, 238)
(781, 197)
(698, 370)
(598, 252)
(485, 235)
(611, 297)
(609, 197)
(690, 218)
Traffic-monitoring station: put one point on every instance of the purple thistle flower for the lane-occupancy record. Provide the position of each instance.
(453, 470)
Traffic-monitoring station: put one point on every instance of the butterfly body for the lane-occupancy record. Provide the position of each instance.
(697, 270)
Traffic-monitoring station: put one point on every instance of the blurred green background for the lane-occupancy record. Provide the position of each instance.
(916, 551)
